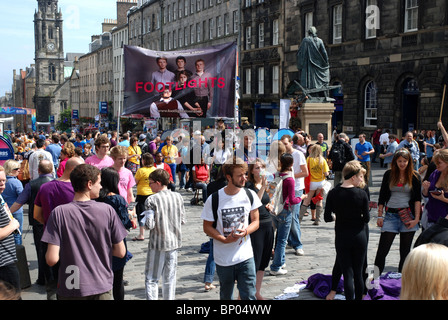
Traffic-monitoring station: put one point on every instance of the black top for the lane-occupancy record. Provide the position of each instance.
(351, 207)
(264, 215)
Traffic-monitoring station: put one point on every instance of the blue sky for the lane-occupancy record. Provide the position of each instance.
(82, 18)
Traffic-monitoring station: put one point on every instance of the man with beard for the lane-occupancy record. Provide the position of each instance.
(235, 218)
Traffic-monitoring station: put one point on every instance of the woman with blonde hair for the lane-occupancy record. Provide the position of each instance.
(276, 149)
(319, 170)
(424, 275)
(348, 205)
(13, 188)
(134, 155)
(435, 189)
(120, 154)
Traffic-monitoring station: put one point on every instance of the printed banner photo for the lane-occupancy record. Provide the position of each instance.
(194, 83)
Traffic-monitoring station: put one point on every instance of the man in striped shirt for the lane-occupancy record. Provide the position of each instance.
(168, 212)
(8, 268)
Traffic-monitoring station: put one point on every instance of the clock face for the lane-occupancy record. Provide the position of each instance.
(50, 46)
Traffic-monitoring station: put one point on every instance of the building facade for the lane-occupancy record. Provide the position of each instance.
(390, 58)
(49, 55)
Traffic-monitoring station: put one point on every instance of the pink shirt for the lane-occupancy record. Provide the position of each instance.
(100, 163)
(127, 181)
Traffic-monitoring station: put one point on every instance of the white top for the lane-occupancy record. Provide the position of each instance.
(232, 210)
(299, 159)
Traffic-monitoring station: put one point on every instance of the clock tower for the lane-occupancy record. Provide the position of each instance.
(48, 55)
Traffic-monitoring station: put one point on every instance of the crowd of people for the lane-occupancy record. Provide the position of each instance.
(94, 176)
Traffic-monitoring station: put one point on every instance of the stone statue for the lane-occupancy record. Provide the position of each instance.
(312, 61)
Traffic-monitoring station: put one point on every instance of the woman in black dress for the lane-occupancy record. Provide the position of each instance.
(350, 205)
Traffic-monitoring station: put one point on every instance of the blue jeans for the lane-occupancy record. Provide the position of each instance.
(173, 171)
(19, 217)
(210, 266)
(183, 171)
(295, 233)
(245, 275)
(283, 224)
(203, 186)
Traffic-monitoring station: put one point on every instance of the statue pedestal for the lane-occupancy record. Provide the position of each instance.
(316, 118)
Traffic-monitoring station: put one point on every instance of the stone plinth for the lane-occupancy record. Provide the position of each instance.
(316, 118)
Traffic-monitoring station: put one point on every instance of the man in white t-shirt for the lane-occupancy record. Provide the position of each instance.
(300, 172)
(237, 217)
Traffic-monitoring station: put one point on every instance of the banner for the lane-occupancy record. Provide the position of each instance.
(194, 83)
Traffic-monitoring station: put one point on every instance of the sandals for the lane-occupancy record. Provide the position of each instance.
(209, 286)
(137, 239)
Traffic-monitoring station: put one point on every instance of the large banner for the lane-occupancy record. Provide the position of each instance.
(194, 83)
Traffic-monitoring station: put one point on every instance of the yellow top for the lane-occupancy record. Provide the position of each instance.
(134, 150)
(142, 179)
(169, 153)
(317, 167)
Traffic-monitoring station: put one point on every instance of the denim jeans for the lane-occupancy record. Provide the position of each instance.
(19, 217)
(183, 172)
(203, 186)
(295, 233)
(210, 266)
(283, 224)
(173, 171)
(245, 275)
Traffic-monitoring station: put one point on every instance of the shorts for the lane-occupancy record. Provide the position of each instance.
(392, 223)
(314, 185)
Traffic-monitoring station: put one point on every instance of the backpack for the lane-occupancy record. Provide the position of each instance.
(215, 202)
(275, 192)
(338, 156)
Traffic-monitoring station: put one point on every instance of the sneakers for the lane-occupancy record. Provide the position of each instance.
(299, 252)
(279, 272)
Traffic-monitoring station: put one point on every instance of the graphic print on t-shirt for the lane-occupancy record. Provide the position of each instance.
(231, 219)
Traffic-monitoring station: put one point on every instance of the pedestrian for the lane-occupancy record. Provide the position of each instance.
(170, 154)
(36, 156)
(429, 142)
(350, 206)
(9, 271)
(119, 155)
(210, 265)
(82, 235)
(50, 195)
(165, 237)
(143, 191)
(300, 172)
(109, 194)
(424, 275)
(435, 189)
(399, 207)
(67, 152)
(376, 143)
(390, 151)
(409, 143)
(363, 150)
(201, 177)
(340, 153)
(134, 155)
(100, 159)
(55, 150)
(284, 219)
(319, 170)
(13, 189)
(262, 239)
(159, 164)
(28, 196)
(236, 217)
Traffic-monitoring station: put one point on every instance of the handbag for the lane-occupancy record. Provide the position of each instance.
(405, 215)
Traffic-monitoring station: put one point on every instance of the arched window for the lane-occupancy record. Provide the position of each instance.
(370, 104)
(51, 72)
